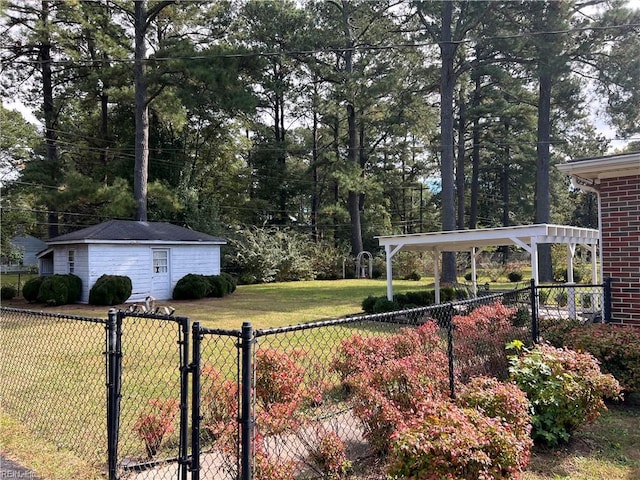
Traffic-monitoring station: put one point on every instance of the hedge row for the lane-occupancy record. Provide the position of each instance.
(194, 286)
(403, 301)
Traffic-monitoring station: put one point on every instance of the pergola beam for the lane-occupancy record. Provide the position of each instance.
(527, 237)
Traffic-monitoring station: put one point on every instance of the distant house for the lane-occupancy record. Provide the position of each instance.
(28, 248)
(153, 255)
(616, 181)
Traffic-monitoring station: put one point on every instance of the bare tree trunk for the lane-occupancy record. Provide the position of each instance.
(353, 198)
(543, 160)
(141, 168)
(447, 85)
(460, 176)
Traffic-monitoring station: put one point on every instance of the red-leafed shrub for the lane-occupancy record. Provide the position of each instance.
(479, 341)
(502, 400)
(565, 388)
(449, 442)
(387, 395)
(390, 376)
(219, 403)
(270, 467)
(617, 347)
(328, 454)
(155, 423)
(358, 353)
(279, 390)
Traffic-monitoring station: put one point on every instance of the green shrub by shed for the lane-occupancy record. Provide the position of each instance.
(31, 288)
(110, 290)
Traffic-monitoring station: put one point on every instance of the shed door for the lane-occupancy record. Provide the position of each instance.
(160, 275)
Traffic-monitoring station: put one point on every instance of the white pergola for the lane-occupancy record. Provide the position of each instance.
(527, 237)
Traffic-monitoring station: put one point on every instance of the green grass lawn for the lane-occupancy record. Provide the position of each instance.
(607, 450)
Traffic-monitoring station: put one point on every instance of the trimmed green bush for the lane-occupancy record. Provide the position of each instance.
(415, 276)
(368, 304)
(31, 288)
(74, 284)
(230, 279)
(384, 305)
(54, 290)
(514, 276)
(560, 275)
(422, 298)
(7, 292)
(110, 290)
(192, 287)
(219, 287)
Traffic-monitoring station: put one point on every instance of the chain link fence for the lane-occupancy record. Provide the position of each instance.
(149, 397)
(52, 378)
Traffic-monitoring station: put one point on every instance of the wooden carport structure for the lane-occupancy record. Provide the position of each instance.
(527, 237)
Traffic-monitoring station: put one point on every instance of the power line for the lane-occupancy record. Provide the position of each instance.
(311, 52)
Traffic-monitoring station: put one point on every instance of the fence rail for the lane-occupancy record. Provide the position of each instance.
(154, 397)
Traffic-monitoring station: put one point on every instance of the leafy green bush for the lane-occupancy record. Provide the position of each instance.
(522, 317)
(368, 304)
(400, 301)
(565, 388)
(74, 283)
(218, 286)
(385, 305)
(422, 298)
(561, 274)
(415, 276)
(54, 290)
(7, 292)
(265, 255)
(450, 294)
(617, 347)
(192, 287)
(554, 331)
(514, 276)
(31, 288)
(110, 290)
(231, 281)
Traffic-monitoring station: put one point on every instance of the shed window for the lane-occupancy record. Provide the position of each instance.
(71, 261)
(160, 261)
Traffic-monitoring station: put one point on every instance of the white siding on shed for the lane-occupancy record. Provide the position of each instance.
(200, 259)
(131, 261)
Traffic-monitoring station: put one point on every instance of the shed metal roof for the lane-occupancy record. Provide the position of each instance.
(127, 231)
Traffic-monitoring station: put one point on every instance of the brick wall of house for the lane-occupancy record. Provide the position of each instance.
(620, 199)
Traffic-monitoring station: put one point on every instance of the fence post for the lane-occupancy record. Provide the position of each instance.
(535, 334)
(195, 399)
(450, 355)
(606, 308)
(184, 399)
(246, 419)
(114, 367)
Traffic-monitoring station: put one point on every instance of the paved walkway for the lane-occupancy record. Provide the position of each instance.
(9, 469)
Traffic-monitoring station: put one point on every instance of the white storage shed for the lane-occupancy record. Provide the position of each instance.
(154, 255)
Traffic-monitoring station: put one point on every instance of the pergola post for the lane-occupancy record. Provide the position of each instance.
(571, 289)
(388, 254)
(436, 275)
